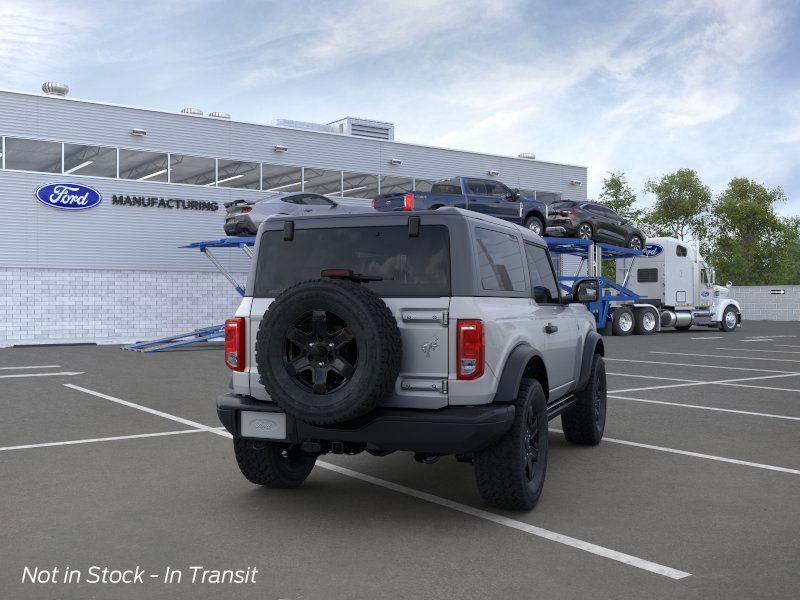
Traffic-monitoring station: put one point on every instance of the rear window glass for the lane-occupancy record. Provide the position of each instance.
(446, 186)
(410, 266)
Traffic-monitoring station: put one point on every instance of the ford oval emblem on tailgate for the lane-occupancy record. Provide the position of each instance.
(68, 196)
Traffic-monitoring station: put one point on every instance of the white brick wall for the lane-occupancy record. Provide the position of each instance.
(47, 306)
(759, 304)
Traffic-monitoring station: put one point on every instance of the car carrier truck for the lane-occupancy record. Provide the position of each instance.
(673, 278)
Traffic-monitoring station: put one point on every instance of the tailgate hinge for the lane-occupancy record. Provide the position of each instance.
(445, 387)
(445, 318)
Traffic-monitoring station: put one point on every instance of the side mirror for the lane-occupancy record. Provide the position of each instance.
(511, 196)
(334, 204)
(585, 290)
(729, 285)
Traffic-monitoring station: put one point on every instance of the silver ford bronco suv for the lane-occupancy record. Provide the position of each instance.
(436, 332)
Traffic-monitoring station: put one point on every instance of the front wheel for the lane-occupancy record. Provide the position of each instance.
(271, 464)
(645, 321)
(585, 421)
(635, 243)
(729, 320)
(510, 473)
(535, 225)
(584, 232)
(622, 322)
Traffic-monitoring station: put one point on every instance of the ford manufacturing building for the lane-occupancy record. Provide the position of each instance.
(116, 272)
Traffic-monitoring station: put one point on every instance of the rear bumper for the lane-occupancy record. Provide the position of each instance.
(456, 429)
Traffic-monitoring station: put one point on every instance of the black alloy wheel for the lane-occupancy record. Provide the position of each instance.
(530, 445)
(635, 243)
(321, 354)
(585, 231)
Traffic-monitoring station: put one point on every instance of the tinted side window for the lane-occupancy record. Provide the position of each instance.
(446, 186)
(495, 188)
(647, 275)
(499, 261)
(309, 199)
(543, 281)
(681, 251)
(476, 186)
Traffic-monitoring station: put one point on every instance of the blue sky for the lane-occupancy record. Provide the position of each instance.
(641, 87)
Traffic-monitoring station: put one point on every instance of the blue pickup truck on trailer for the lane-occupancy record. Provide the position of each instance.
(486, 196)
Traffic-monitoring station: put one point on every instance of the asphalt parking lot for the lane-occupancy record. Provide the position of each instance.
(116, 458)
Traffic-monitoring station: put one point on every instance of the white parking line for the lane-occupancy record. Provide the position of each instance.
(701, 407)
(758, 350)
(787, 346)
(105, 439)
(146, 409)
(674, 364)
(31, 367)
(654, 377)
(17, 375)
(723, 356)
(482, 514)
(708, 337)
(512, 523)
(732, 461)
(717, 382)
(758, 340)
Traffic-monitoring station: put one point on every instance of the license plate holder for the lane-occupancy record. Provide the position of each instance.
(263, 425)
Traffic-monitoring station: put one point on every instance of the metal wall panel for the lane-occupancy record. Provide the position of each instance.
(120, 237)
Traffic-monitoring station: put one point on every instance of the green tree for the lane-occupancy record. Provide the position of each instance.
(618, 195)
(681, 205)
(750, 243)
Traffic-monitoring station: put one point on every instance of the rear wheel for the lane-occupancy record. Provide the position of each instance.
(729, 320)
(622, 322)
(645, 321)
(585, 421)
(271, 464)
(510, 473)
(535, 225)
(584, 231)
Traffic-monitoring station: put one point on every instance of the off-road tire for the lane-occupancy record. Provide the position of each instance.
(271, 464)
(640, 325)
(375, 334)
(723, 325)
(500, 469)
(618, 322)
(584, 422)
(531, 221)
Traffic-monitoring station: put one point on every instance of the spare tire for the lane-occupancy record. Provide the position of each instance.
(328, 351)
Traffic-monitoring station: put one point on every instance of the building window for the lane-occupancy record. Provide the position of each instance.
(237, 174)
(280, 178)
(499, 261)
(144, 166)
(97, 161)
(359, 185)
(33, 155)
(194, 170)
(321, 181)
(423, 185)
(396, 185)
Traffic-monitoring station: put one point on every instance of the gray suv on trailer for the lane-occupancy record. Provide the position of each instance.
(436, 332)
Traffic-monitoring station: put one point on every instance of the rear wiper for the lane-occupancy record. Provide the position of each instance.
(349, 275)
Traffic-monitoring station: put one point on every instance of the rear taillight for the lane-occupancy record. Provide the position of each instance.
(234, 344)
(246, 209)
(566, 213)
(469, 349)
(373, 202)
(408, 201)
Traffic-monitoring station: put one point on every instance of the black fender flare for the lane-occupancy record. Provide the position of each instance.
(535, 212)
(593, 344)
(517, 362)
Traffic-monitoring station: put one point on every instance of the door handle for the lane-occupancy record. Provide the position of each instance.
(550, 328)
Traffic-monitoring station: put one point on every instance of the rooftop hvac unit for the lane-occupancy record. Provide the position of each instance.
(192, 111)
(303, 125)
(217, 114)
(51, 88)
(377, 130)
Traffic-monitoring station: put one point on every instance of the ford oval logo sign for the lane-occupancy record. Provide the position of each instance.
(68, 196)
(652, 250)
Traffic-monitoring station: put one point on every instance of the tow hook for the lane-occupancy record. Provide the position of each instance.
(426, 458)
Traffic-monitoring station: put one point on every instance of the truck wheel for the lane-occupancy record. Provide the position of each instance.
(510, 473)
(645, 323)
(729, 320)
(535, 225)
(328, 351)
(622, 322)
(583, 422)
(271, 464)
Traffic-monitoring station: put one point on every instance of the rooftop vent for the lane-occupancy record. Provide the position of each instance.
(192, 111)
(377, 130)
(527, 155)
(303, 125)
(51, 88)
(219, 115)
